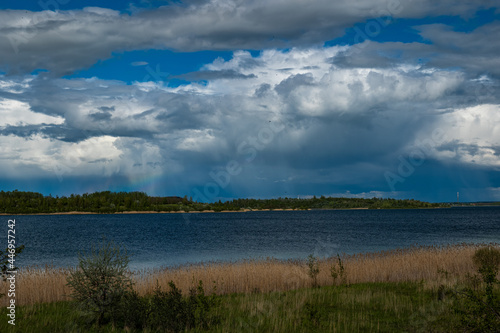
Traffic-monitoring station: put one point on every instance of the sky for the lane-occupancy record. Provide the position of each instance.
(222, 99)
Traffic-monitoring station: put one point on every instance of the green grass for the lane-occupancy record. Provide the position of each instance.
(367, 307)
(375, 307)
(47, 317)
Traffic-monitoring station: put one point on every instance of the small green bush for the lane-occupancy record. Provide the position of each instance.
(487, 261)
(102, 288)
(101, 281)
(478, 304)
(171, 312)
(132, 312)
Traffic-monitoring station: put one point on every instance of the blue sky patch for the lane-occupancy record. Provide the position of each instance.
(151, 65)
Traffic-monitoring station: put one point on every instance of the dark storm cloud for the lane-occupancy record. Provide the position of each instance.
(100, 116)
(144, 114)
(214, 75)
(292, 82)
(100, 160)
(262, 90)
(23, 131)
(474, 52)
(56, 132)
(458, 148)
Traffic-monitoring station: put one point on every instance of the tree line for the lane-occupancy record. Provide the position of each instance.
(21, 202)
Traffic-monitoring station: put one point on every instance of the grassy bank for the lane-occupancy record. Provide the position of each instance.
(363, 307)
(410, 290)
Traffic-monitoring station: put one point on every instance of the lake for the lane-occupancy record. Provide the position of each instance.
(157, 240)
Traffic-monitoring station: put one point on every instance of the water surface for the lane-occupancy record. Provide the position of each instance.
(156, 240)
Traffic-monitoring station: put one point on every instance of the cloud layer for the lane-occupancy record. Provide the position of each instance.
(298, 118)
(65, 41)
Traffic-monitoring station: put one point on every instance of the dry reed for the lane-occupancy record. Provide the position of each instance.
(428, 263)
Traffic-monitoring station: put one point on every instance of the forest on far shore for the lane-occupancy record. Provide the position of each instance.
(20, 202)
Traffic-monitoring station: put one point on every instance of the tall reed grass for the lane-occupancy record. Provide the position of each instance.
(432, 264)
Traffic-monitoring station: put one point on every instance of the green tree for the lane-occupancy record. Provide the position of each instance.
(101, 281)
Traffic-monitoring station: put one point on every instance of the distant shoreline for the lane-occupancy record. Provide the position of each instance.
(164, 212)
(107, 202)
(212, 211)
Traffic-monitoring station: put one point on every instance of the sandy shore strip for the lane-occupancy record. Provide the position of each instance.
(162, 212)
(209, 211)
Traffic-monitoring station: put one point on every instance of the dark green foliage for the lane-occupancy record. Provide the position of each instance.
(311, 314)
(164, 311)
(487, 260)
(316, 315)
(478, 304)
(320, 203)
(171, 312)
(18, 202)
(101, 281)
(132, 312)
(102, 289)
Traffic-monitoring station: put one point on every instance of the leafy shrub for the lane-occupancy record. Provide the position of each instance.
(478, 304)
(487, 261)
(101, 281)
(102, 288)
(171, 312)
(132, 312)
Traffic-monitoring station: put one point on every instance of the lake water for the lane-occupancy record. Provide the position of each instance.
(156, 240)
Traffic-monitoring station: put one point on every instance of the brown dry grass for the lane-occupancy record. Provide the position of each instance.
(46, 284)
